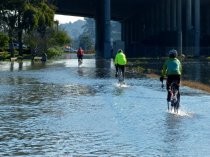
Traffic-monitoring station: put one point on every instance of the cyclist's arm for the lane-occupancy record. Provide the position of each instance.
(164, 69)
(125, 59)
(115, 60)
(180, 67)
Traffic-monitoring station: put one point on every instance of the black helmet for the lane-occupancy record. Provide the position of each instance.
(120, 50)
(173, 53)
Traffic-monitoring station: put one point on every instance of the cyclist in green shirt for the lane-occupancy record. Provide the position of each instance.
(120, 62)
(172, 69)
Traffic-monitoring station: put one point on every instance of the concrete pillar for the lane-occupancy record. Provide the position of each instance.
(162, 16)
(179, 26)
(173, 15)
(107, 30)
(103, 44)
(188, 25)
(123, 31)
(152, 20)
(132, 30)
(197, 27)
(208, 21)
(189, 14)
(157, 20)
(168, 13)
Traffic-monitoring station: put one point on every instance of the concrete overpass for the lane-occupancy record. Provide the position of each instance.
(149, 27)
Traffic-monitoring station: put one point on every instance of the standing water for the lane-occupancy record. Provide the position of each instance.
(58, 109)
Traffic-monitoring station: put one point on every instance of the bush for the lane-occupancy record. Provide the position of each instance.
(4, 39)
(89, 51)
(4, 55)
(54, 52)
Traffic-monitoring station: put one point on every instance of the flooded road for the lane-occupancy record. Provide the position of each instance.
(58, 109)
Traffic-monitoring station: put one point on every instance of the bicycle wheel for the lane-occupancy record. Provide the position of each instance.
(120, 76)
(175, 97)
(79, 62)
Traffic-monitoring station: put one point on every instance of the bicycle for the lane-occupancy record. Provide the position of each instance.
(79, 62)
(120, 76)
(174, 99)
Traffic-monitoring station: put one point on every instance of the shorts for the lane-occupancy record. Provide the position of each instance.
(172, 78)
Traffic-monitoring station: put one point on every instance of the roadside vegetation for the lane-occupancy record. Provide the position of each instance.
(139, 66)
(28, 29)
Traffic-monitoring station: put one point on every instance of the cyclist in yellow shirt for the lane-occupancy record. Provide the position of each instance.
(120, 62)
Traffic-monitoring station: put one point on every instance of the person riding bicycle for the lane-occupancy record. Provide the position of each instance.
(120, 62)
(80, 53)
(172, 69)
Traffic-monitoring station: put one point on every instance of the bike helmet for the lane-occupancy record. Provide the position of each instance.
(172, 53)
(120, 50)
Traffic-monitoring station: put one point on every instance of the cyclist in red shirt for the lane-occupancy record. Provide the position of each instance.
(80, 54)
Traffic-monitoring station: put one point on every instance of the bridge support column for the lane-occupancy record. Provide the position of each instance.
(168, 11)
(179, 26)
(173, 15)
(197, 27)
(103, 44)
(188, 26)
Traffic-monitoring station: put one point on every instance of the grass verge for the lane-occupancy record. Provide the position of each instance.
(188, 83)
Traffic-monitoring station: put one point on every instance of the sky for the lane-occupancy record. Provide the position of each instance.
(66, 19)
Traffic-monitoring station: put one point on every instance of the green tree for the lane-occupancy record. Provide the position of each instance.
(59, 38)
(45, 21)
(19, 15)
(3, 41)
(46, 16)
(8, 17)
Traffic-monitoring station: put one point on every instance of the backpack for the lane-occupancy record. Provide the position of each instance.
(80, 52)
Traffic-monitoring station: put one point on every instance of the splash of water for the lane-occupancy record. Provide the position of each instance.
(181, 113)
(121, 85)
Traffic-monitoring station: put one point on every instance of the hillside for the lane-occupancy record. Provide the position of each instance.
(76, 28)
(73, 29)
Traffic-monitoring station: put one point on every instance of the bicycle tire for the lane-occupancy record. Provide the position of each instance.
(175, 97)
(79, 62)
(120, 76)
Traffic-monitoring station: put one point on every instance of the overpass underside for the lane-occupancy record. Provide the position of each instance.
(149, 27)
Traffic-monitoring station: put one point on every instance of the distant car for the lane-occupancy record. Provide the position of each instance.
(69, 49)
(16, 46)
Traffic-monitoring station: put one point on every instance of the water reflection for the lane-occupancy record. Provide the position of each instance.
(61, 109)
(20, 66)
(37, 65)
(172, 136)
(103, 67)
(80, 71)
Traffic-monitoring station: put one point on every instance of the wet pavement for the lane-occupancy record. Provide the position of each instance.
(60, 109)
